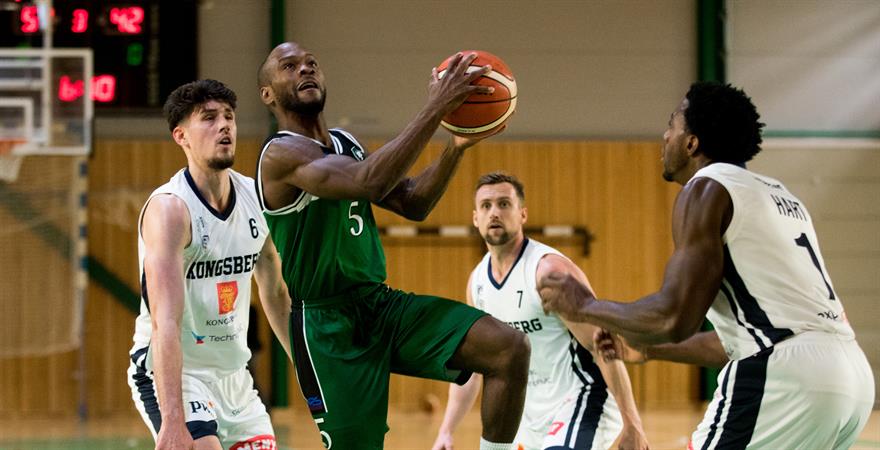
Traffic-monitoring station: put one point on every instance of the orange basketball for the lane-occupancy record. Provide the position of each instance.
(480, 114)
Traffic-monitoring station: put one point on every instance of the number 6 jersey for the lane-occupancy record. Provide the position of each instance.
(775, 284)
(218, 265)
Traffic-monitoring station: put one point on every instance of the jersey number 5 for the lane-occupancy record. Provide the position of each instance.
(802, 241)
(357, 219)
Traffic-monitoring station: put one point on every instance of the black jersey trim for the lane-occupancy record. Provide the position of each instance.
(518, 257)
(732, 302)
(144, 296)
(720, 408)
(218, 214)
(592, 414)
(745, 402)
(752, 311)
(145, 387)
(305, 371)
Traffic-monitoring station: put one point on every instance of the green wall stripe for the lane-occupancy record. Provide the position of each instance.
(280, 363)
(711, 66)
(19, 206)
(843, 134)
(114, 285)
(711, 48)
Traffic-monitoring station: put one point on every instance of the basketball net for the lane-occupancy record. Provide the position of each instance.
(9, 162)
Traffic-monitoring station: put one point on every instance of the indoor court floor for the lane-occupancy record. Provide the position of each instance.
(410, 430)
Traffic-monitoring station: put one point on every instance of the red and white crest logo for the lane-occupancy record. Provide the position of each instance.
(227, 293)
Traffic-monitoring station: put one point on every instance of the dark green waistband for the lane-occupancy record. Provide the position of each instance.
(341, 298)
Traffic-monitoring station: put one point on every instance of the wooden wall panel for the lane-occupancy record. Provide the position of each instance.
(613, 188)
(36, 313)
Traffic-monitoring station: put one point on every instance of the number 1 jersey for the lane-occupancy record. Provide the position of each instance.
(775, 284)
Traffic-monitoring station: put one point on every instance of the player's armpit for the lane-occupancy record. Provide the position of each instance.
(693, 274)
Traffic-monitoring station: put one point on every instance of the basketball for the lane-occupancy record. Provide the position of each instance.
(481, 114)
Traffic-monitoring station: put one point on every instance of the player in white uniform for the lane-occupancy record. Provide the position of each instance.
(568, 405)
(201, 238)
(747, 258)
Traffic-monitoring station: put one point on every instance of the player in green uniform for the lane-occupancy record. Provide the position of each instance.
(349, 331)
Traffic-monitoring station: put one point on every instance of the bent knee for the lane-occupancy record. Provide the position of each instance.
(516, 354)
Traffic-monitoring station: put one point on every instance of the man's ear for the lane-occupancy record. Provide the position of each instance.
(179, 135)
(693, 143)
(266, 95)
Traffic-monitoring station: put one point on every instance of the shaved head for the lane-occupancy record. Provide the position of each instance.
(264, 76)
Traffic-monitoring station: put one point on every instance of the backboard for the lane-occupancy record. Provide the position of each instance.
(46, 100)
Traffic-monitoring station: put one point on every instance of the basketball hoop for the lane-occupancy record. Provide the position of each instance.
(10, 161)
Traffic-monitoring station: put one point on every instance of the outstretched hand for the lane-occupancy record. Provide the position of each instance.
(612, 346)
(450, 91)
(565, 295)
(463, 142)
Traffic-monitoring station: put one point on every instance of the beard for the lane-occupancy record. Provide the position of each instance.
(497, 239)
(291, 102)
(221, 163)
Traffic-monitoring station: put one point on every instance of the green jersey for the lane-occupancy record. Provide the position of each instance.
(327, 247)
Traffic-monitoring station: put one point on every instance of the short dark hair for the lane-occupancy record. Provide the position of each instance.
(186, 98)
(501, 177)
(725, 121)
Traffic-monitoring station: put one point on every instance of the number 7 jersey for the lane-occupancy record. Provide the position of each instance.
(775, 284)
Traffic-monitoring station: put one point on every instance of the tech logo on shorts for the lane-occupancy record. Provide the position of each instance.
(227, 293)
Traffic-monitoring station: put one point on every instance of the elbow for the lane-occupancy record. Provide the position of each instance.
(416, 214)
(678, 329)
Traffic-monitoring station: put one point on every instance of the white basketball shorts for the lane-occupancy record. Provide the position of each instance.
(588, 420)
(228, 408)
(811, 391)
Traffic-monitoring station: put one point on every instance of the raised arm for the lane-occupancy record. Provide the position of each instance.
(300, 163)
(613, 371)
(414, 198)
(693, 276)
(166, 232)
(461, 400)
(273, 293)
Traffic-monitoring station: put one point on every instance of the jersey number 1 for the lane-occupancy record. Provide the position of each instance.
(802, 241)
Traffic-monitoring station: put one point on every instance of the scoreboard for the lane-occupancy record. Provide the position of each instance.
(143, 49)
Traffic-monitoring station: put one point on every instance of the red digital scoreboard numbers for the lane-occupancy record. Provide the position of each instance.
(142, 49)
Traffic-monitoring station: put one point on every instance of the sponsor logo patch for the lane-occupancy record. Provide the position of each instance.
(227, 292)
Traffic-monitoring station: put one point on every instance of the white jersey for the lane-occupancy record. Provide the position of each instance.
(218, 265)
(560, 369)
(775, 284)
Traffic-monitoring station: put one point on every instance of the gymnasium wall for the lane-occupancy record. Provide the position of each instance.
(587, 71)
(612, 188)
(597, 69)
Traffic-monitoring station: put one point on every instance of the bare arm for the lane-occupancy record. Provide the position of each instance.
(702, 349)
(613, 371)
(299, 162)
(166, 232)
(273, 293)
(691, 281)
(461, 400)
(415, 198)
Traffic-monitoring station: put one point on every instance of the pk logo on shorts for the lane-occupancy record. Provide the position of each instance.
(201, 410)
